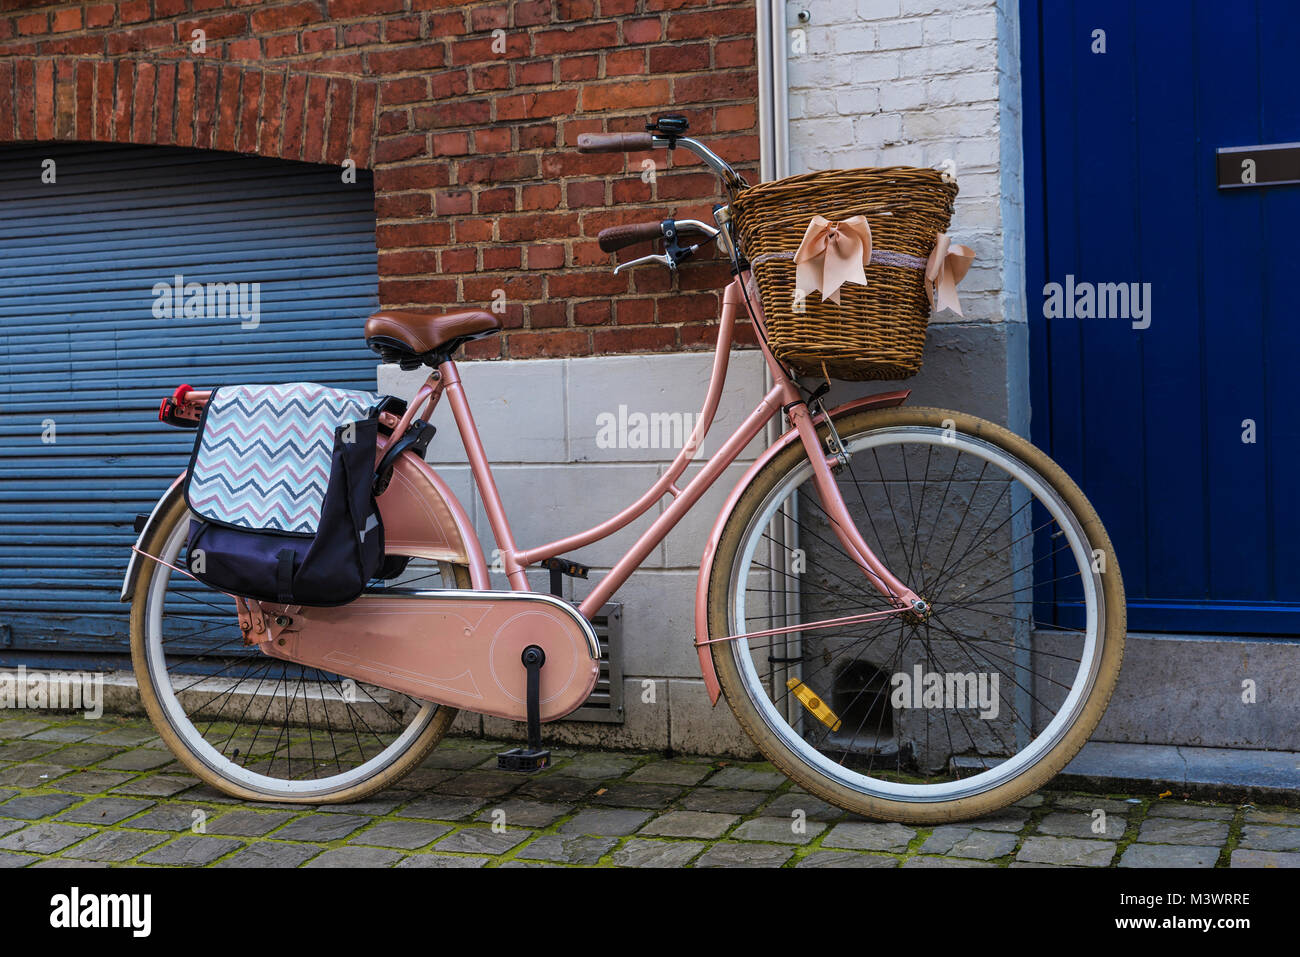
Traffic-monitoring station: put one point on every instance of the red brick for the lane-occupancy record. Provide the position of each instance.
(617, 8)
(144, 100)
(575, 9)
(502, 257)
(630, 62)
(64, 20)
(87, 44)
(494, 77)
(740, 117)
(398, 235)
(248, 51)
(641, 31)
(574, 68)
(480, 50)
(536, 105)
(7, 101)
(25, 99)
(214, 28)
(453, 202)
(452, 83)
(731, 53)
(634, 312)
(85, 119)
(531, 14)
(394, 121)
(402, 30)
(715, 86)
(443, 25)
(250, 99)
(596, 36)
(422, 176)
(168, 8)
(339, 109)
(517, 287)
(500, 200)
(531, 226)
(712, 23)
(496, 140)
(281, 46)
(122, 102)
(100, 15)
(316, 41)
(476, 229)
(402, 205)
(540, 196)
(497, 169)
(546, 256)
(626, 95)
(585, 194)
(285, 18)
(450, 144)
(408, 90)
(542, 315)
(347, 9)
(405, 59)
(483, 17)
(413, 262)
(633, 339)
(540, 136)
(133, 11)
(358, 34)
(593, 313)
(561, 342)
(144, 38)
(228, 100)
(456, 112)
(397, 148)
(417, 292)
(205, 105)
(270, 122)
(362, 124)
(679, 58)
(164, 130)
(104, 85)
(33, 25)
(460, 259)
(295, 98)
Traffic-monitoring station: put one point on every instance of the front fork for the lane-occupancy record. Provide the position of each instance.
(846, 530)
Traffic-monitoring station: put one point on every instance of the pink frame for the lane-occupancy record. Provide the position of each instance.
(783, 395)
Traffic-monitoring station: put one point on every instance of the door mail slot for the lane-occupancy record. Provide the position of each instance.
(1244, 166)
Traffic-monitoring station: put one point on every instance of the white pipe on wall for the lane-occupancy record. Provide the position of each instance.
(773, 90)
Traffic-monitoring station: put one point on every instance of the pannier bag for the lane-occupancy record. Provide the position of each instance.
(281, 488)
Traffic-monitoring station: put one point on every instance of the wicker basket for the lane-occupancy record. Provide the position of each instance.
(876, 331)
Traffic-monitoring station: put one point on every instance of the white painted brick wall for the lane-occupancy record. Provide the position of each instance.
(921, 81)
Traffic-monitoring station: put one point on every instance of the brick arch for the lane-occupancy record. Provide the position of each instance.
(280, 113)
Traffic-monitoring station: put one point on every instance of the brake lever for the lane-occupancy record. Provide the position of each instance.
(660, 258)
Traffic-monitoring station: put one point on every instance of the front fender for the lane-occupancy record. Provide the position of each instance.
(422, 517)
(881, 400)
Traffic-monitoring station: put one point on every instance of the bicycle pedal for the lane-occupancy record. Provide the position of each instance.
(523, 759)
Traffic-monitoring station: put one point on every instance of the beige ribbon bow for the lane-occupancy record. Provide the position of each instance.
(832, 254)
(948, 264)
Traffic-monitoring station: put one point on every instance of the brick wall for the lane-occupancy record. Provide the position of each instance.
(469, 131)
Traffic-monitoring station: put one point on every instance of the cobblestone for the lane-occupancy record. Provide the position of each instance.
(77, 795)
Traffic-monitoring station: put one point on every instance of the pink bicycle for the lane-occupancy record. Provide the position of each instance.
(913, 612)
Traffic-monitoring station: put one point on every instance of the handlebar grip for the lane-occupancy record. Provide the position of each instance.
(616, 237)
(614, 142)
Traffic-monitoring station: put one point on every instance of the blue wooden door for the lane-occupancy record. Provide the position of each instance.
(84, 359)
(1184, 433)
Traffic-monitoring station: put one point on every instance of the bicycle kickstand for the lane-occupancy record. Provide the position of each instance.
(531, 758)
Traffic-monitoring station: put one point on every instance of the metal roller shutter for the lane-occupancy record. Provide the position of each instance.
(80, 347)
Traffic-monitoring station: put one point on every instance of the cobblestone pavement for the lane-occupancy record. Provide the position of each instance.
(77, 793)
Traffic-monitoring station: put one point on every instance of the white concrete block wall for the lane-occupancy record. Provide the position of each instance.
(917, 83)
(539, 420)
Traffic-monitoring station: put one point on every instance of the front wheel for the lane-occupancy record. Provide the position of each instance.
(919, 718)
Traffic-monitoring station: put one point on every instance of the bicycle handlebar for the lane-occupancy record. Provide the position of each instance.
(614, 142)
(617, 237)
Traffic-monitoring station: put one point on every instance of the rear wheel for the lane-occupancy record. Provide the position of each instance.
(919, 718)
(257, 727)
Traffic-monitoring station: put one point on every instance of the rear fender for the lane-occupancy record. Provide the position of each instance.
(881, 400)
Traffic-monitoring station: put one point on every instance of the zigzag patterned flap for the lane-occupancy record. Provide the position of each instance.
(262, 459)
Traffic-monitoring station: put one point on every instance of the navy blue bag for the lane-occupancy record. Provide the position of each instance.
(281, 484)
